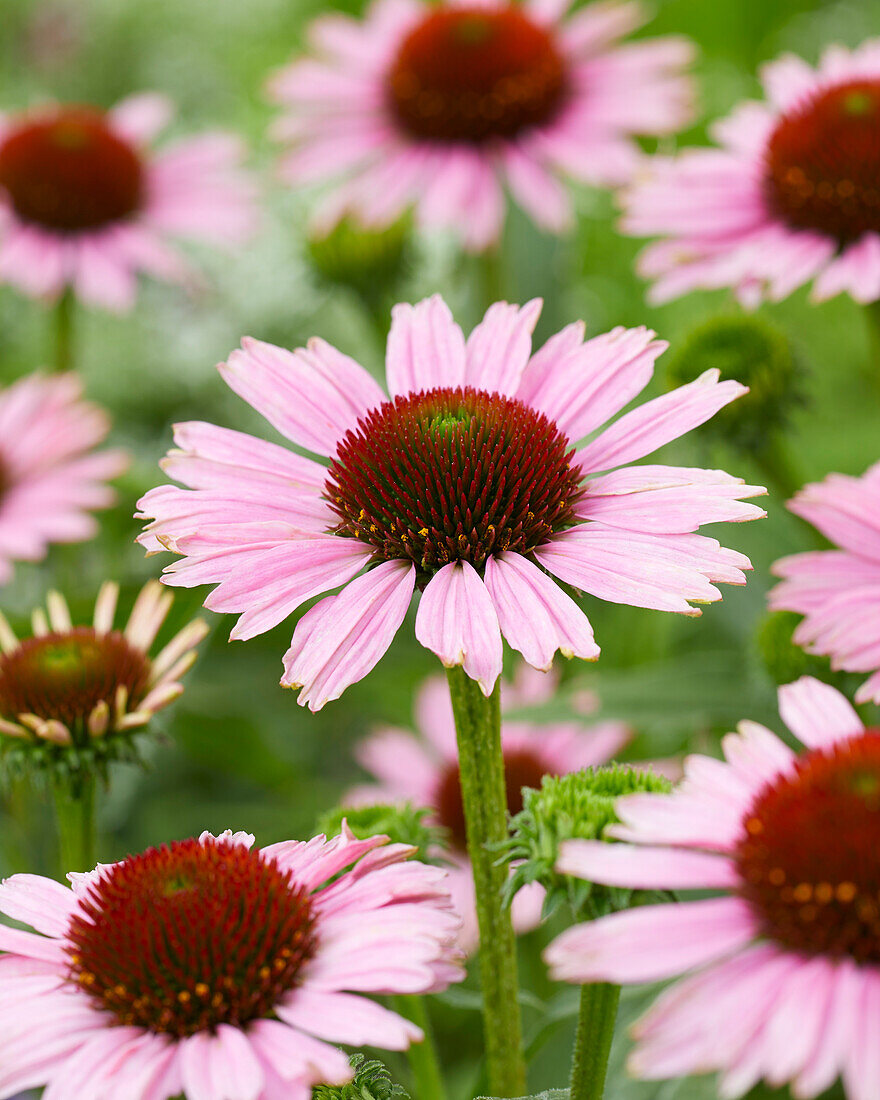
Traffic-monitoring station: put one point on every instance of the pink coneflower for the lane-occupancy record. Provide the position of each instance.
(211, 968)
(838, 591)
(50, 475)
(423, 770)
(443, 106)
(788, 961)
(791, 194)
(67, 684)
(465, 482)
(85, 204)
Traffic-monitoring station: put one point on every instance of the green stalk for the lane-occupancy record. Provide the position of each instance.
(484, 796)
(592, 1044)
(63, 350)
(491, 275)
(872, 317)
(423, 1061)
(75, 816)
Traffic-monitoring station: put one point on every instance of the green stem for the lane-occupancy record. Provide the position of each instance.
(63, 350)
(491, 275)
(592, 1044)
(872, 316)
(75, 816)
(423, 1061)
(484, 796)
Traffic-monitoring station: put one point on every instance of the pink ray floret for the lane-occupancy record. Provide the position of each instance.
(483, 528)
(838, 591)
(787, 196)
(779, 975)
(91, 225)
(428, 107)
(51, 476)
(247, 1007)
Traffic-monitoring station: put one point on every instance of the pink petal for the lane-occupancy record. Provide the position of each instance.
(340, 640)
(457, 621)
(139, 118)
(499, 347)
(657, 422)
(44, 904)
(818, 715)
(580, 385)
(651, 943)
(399, 761)
(344, 1018)
(535, 615)
(426, 348)
(277, 581)
(313, 395)
(624, 567)
(645, 868)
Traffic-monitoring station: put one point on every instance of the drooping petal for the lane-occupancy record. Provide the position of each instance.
(535, 615)
(340, 640)
(457, 621)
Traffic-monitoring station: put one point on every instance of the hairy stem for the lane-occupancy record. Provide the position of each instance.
(75, 817)
(592, 1044)
(484, 796)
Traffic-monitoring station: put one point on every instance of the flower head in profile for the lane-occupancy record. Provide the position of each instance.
(210, 967)
(788, 196)
(86, 205)
(51, 476)
(838, 591)
(74, 694)
(423, 770)
(467, 483)
(441, 107)
(783, 969)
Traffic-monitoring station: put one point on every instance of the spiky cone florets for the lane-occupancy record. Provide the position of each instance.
(757, 354)
(72, 696)
(577, 806)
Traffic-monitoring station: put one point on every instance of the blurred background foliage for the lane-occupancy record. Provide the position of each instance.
(236, 751)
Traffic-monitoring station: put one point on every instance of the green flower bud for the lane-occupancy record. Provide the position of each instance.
(759, 355)
(578, 806)
(371, 262)
(371, 1081)
(403, 823)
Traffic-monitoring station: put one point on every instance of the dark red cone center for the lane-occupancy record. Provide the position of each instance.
(823, 162)
(452, 475)
(191, 935)
(809, 859)
(65, 675)
(471, 74)
(522, 768)
(68, 172)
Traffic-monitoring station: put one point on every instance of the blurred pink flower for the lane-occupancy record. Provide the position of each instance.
(69, 683)
(216, 969)
(838, 591)
(790, 195)
(788, 960)
(445, 106)
(50, 475)
(85, 204)
(464, 482)
(423, 769)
